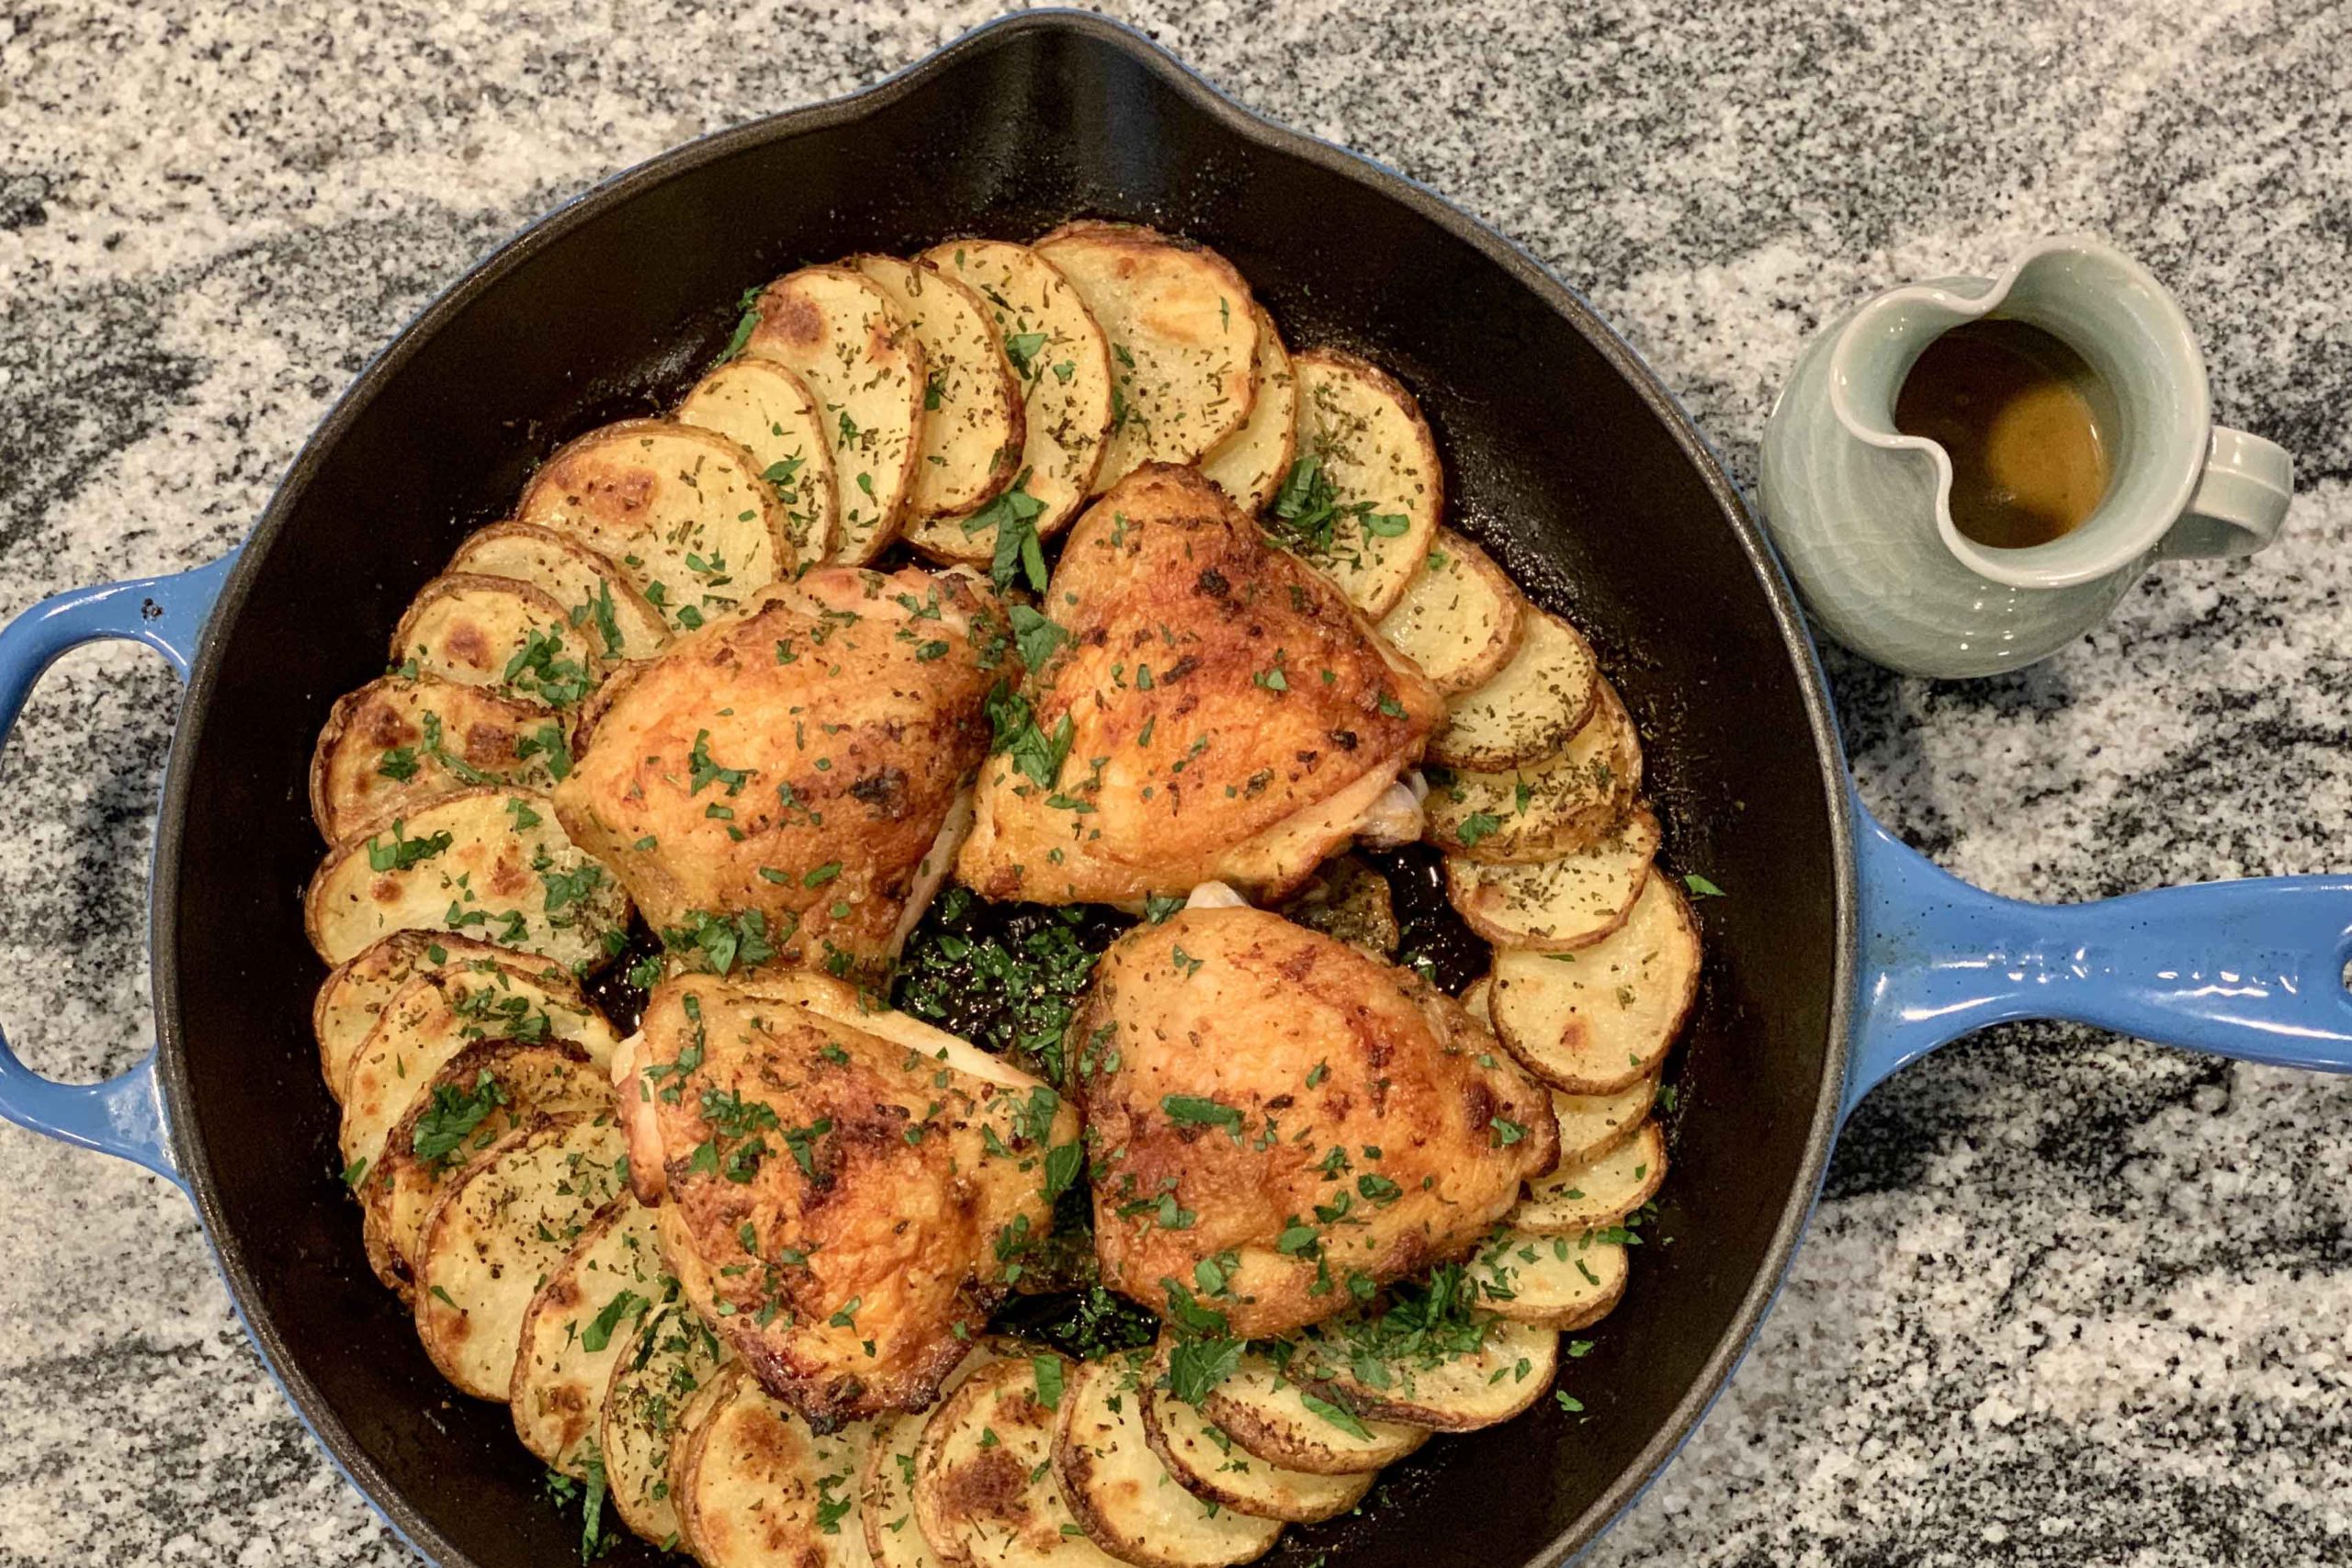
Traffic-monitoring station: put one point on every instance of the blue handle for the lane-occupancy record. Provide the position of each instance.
(124, 1115)
(2251, 969)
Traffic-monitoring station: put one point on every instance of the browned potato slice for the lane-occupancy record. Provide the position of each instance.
(885, 1492)
(1601, 1020)
(1593, 1193)
(489, 861)
(396, 743)
(1215, 1469)
(1249, 465)
(495, 632)
(577, 1328)
(1125, 1498)
(1558, 1281)
(657, 1392)
(1592, 1124)
(1459, 618)
(985, 1491)
(973, 417)
(755, 1486)
(1271, 1416)
(1509, 1372)
(1547, 808)
(351, 998)
(683, 512)
(484, 1091)
(768, 410)
(612, 618)
(1560, 905)
(433, 1018)
(506, 1222)
(1361, 500)
(1184, 332)
(843, 335)
(1531, 707)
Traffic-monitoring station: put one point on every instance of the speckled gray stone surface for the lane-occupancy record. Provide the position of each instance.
(2071, 1299)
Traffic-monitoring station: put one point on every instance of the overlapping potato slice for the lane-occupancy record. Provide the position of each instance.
(985, 1491)
(1545, 809)
(396, 743)
(1061, 363)
(1592, 1124)
(1121, 1492)
(659, 1389)
(1360, 503)
(974, 420)
(764, 407)
(577, 1328)
(1459, 618)
(354, 997)
(1183, 330)
(1269, 1415)
(886, 1490)
(1558, 1281)
(841, 332)
(1510, 1370)
(1215, 1469)
(1596, 1192)
(1249, 465)
(489, 862)
(506, 1222)
(495, 632)
(755, 1486)
(1531, 707)
(1558, 905)
(612, 617)
(1600, 1020)
(683, 512)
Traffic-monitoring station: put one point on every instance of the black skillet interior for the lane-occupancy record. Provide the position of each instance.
(1558, 459)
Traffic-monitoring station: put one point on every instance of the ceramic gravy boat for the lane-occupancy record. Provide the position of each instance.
(1861, 512)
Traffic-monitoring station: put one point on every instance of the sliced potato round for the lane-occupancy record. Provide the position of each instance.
(655, 1386)
(495, 632)
(354, 997)
(612, 617)
(1592, 1124)
(1125, 1497)
(756, 1486)
(1476, 998)
(495, 1086)
(1560, 905)
(429, 1021)
(1558, 1281)
(1595, 1192)
(579, 1325)
(1268, 1415)
(1209, 1465)
(1601, 1020)
(506, 1222)
(886, 1489)
(973, 416)
(395, 744)
(1531, 707)
(1062, 364)
(1507, 1373)
(1459, 618)
(1545, 809)
(683, 512)
(1365, 435)
(1184, 332)
(1249, 465)
(766, 409)
(984, 1488)
(489, 862)
(843, 335)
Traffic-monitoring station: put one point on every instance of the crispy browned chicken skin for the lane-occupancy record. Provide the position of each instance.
(1310, 1120)
(803, 760)
(1230, 717)
(844, 1207)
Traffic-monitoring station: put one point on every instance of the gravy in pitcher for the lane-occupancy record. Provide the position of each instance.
(2008, 402)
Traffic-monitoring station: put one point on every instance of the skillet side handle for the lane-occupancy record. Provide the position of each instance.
(2251, 969)
(123, 1115)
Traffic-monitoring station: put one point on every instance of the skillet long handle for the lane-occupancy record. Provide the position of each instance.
(2252, 969)
(124, 1115)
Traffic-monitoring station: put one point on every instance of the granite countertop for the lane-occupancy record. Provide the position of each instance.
(2071, 1299)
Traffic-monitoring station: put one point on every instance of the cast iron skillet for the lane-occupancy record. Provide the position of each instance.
(1564, 454)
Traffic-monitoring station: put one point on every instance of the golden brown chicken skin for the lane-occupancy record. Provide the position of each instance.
(1217, 711)
(1309, 1122)
(844, 1208)
(791, 777)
